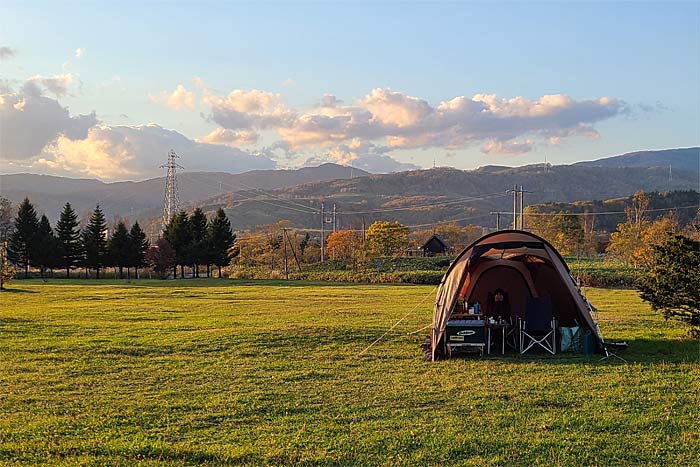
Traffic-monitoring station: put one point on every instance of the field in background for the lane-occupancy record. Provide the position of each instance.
(223, 372)
(591, 272)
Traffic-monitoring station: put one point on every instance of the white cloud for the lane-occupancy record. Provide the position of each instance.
(30, 121)
(79, 52)
(253, 109)
(128, 152)
(179, 99)
(7, 53)
(507, 147)
(231, 137)
(57, 85)
(406, 122)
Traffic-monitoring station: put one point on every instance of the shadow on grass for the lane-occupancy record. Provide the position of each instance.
(639, 351)
(6, 290)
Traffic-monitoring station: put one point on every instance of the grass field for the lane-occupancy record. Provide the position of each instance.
(227, 373)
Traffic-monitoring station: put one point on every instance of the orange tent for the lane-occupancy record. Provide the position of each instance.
(523, 264)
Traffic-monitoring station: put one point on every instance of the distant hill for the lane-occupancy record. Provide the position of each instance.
(145, 198)
(659, 205)
(424, 197)
(678, 159)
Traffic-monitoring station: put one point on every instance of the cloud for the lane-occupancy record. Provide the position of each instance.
(231, 137)
(57, 85)
(30, 121)
(79, 52)
(128, 152)
(249, 110)
(400, 121)
(179, 99)
(507, 147)
(7, 53)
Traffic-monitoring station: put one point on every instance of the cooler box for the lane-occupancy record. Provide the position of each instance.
(466, 331)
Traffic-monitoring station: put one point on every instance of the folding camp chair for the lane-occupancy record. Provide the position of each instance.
(539, 326)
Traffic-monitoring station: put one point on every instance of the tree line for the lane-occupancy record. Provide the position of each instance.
(30, 241)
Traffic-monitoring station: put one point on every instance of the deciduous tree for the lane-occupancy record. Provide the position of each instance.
(341, 244)
(161, 257)
(386, 239)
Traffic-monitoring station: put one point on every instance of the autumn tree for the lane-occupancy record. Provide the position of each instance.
(341, 244)
(386, 239)
(7, 270)
(162, 257)
(625, 242)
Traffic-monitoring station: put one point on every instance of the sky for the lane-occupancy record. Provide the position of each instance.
(105, 89)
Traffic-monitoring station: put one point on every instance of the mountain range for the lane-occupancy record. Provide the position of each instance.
(418, 197)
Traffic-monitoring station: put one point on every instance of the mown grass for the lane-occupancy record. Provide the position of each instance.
(247, 373)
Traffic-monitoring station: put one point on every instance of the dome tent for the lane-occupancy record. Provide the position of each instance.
(524, 264)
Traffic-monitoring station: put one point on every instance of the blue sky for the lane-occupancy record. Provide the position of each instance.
(641, 58)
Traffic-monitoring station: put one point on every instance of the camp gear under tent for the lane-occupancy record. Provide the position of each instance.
(524, 265)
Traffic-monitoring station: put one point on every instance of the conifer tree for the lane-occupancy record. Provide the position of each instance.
(138, 246)
(94, 241)
(220, 239)
(179, 234)
(68, 235)
(22, 240)
(46, 250)
(118, 248)
(198, 248)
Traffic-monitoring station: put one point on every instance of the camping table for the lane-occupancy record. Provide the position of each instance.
(495, 327)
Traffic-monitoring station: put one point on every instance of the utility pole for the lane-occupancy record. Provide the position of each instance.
(335, 225)
(323, 232)
(522, 213)
(515, 207)
(284, 244)
(498, 218)
(286, 236)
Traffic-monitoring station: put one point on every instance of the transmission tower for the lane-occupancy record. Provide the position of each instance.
(171, 200)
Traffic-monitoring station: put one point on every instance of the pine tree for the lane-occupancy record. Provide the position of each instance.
(670, 285)
(46, 251)
(179, 234)
(220, 238)
(198, 248)
(138, 246)
(68, 238)
(22, 241)
(118, 248)
(94, 241)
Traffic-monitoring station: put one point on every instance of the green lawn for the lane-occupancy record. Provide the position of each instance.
(224, 372)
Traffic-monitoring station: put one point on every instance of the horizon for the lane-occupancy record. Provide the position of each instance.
(343, 165)
(284, 86)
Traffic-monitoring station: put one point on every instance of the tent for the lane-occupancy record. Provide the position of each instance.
(523, 264)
